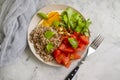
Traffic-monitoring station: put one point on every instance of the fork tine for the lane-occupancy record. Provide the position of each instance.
(92, 44)
(97, 41)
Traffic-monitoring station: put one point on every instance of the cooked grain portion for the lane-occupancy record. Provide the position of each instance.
(38, 39)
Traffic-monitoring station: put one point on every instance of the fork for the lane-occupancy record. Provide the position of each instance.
(91, 48)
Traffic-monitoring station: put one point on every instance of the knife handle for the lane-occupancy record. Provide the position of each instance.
(72, 73)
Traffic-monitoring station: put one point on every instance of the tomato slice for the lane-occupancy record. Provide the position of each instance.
(60, 58)
(76, 34)
(77, 55)
(57, 52)
(68, 50)
(65, 41)
(66, 61)
(81, 47)
(62, 46)
(84, 39)
(73, 36)
(68, 64)
(74, 56)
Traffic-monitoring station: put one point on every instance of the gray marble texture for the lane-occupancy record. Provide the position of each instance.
(103, 65)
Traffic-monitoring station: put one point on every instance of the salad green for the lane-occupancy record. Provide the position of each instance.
(74, 20)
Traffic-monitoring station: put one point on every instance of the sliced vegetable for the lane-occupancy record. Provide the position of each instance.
(58, 55)
(84, 39)
(57, 52)
(66, 61)
(42, 15)
(61, 58)
(68, 50)
(49, 46)
(73, 42)
(68, 64)
(49, 34)
(74, 56)
(62, 46)
(81, 46)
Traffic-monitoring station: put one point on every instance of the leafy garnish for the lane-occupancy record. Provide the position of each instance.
(73, 42)
(49, 46)
(42, 15)
(74, 20)
(49, 34)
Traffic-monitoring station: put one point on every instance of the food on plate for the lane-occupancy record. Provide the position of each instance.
(60, 36)
(44, 43)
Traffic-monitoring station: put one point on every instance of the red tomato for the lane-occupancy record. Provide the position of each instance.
(66, 42)
(64, 37)
(84, 39)
(73, 36)
(65, 60)
(62, 46)
(77, 55)
(57, 52)
(68, 50)
(60, 58)
(81, 46)
(74, 56)
(76, 34)
(65, 52)
(68, 64)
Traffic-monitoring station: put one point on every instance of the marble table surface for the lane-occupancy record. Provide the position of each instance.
(103, 65)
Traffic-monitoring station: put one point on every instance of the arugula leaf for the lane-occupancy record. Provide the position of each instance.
(75, 21)
(69, 13)
(85, 30)
(75, 16)
(88, 22)
(65, 19)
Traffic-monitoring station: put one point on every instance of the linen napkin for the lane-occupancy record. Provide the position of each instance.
(104, 64)
(15, 16)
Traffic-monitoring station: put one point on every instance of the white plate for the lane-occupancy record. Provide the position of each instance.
(34, 22)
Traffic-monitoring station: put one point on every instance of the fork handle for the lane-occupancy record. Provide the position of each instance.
(72, 73)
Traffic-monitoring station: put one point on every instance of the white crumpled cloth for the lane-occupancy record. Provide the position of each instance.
(15, 16)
